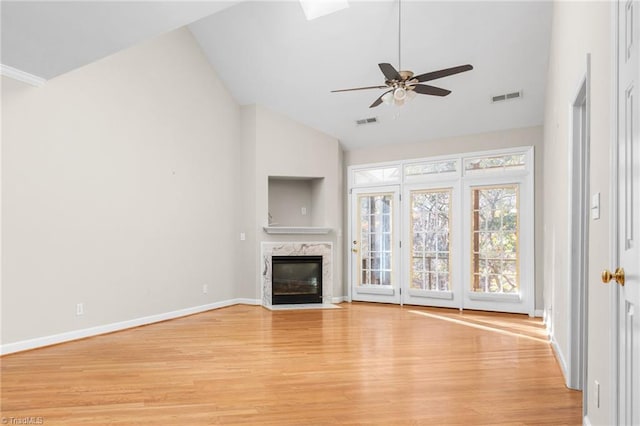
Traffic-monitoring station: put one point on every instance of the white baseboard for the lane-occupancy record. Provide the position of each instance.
(22, 76)
(117, 326)
(586, 421)
(339, 299)
(538, 313)
(245, 301)
(560, 358)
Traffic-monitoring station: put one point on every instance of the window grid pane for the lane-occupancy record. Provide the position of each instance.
(494, 163)
(494, 250)
(376, 238)
(430, 251)
(429, 168)
(377, 175)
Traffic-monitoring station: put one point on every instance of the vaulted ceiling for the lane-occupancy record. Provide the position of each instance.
(268, 53)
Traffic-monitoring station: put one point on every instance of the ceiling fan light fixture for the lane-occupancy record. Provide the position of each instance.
(400, 94)
(387, 98)
(410, 94)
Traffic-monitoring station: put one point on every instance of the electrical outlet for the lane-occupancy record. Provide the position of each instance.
(205, 289)
(80, 309)
(303, 210)
(243, 236)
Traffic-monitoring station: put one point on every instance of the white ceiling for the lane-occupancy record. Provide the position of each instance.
(268, 53)
(49, 38)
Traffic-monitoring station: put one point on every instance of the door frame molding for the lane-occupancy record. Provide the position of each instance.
(579, 217)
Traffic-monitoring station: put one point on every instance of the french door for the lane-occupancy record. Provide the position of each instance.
(375, 244)
(461, 235)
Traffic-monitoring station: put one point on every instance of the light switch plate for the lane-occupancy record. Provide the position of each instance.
(595, 206)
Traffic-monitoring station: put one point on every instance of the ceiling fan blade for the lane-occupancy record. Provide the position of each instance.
(359, 88)
(379, 100)
(390, 72)
(434, 75)
(430, 90)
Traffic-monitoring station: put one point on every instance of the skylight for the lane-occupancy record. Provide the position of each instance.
(316, 8)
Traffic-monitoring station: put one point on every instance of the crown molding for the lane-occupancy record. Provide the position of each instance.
(22, 76)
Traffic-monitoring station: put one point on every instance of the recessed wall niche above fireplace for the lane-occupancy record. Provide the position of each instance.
(296, 279)
(273, 253)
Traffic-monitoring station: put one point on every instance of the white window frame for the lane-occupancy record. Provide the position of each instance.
(523, 177)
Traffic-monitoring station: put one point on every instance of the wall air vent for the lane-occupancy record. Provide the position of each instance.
(506, 97)
(370, 120)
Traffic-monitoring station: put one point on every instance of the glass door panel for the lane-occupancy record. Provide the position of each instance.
(374, 244)
(495, 240)
(430, 262)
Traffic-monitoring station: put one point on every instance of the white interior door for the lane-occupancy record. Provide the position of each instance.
(628, 213)
(375, 231)
(432, 251)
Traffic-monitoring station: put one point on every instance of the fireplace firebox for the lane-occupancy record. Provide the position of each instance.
(296, 279)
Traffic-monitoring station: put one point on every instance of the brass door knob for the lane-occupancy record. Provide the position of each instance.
(618, 276)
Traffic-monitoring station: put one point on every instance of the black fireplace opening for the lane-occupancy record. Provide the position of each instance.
(296, 279)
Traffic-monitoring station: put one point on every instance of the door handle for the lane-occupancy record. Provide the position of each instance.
(617, 276)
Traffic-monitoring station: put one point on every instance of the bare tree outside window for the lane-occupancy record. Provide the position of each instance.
(375, 238)
(495, 239)
(430, 251)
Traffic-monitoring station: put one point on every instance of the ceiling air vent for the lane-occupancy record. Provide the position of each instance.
(506, 97)
(370, 120)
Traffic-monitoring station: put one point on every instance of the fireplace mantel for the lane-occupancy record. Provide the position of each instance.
(296, 230)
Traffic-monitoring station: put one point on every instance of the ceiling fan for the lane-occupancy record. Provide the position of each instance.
(403, 85)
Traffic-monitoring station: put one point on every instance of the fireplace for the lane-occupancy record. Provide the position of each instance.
(296, 279)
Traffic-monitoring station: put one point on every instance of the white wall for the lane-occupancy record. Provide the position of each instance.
(279, 146)
(579, 28)
(115, 190)
(286, 200)
(529, 136)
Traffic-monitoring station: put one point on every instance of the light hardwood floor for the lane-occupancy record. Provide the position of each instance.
(362, 364)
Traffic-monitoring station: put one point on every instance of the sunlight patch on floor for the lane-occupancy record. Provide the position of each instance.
(478, 326)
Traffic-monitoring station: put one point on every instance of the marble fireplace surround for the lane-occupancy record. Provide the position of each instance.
(324, 249)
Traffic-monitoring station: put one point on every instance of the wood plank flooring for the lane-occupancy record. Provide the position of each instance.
(362, 364)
